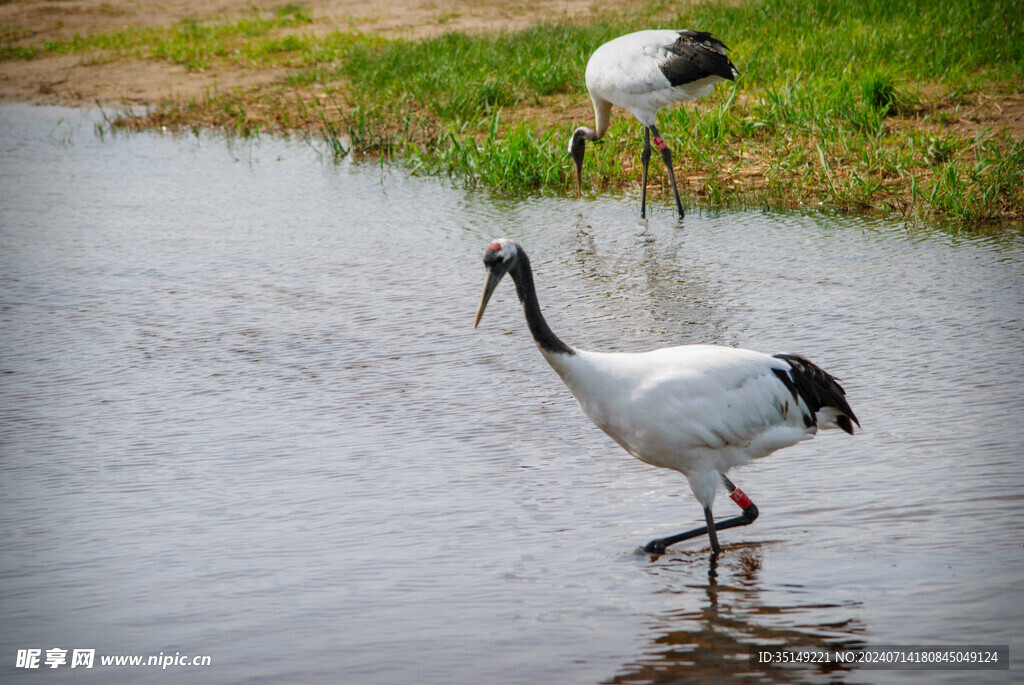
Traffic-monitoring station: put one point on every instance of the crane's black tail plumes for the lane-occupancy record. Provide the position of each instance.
(696, 55)
(812, 384)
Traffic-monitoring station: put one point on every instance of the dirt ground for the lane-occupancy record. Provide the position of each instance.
(77, 79)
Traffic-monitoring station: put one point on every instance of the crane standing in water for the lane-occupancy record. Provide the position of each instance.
(698, 409)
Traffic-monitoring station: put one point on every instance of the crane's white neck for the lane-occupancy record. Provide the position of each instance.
(602, 117)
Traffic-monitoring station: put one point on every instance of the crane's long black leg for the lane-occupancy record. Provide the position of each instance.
(645, 159)
(746, 518)
(716, 548)
(666, 155)
(750, 512)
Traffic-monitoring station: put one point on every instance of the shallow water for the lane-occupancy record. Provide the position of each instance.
(244, 414)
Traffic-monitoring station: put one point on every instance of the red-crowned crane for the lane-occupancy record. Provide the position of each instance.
(642, 72)
(698, 409)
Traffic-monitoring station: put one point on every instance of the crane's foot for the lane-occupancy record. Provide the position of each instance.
(655, 547)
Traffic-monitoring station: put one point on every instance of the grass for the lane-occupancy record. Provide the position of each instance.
(847, 104)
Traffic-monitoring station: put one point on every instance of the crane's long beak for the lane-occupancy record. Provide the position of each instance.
(493, 279)
(577, 153)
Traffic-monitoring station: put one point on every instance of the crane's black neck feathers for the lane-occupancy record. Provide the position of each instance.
(522, 275)
(696, 55)
(812, 384)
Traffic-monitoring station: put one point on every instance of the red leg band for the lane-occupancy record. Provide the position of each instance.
(659, 143)
(740, 498)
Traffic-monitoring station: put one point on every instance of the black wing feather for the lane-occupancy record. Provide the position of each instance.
(696, 55)
(812, 384)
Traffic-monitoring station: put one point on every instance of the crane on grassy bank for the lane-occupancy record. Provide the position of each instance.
(643, 72)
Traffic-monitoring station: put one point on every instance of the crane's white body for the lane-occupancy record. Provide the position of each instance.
(698, 409)
(626, 72)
